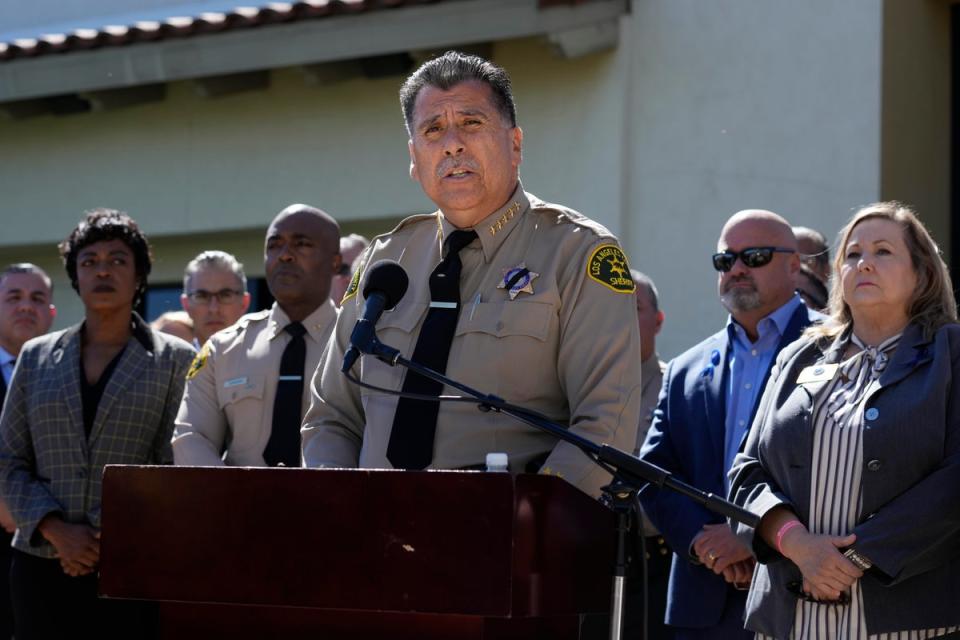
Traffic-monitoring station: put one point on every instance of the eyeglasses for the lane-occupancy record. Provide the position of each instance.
(752, 257)
(224, 296)
(344, 270)
(796, 588)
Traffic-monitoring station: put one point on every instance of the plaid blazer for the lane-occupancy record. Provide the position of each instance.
(47, 462)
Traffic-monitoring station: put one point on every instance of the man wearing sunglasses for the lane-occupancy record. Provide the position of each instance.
(706, 405)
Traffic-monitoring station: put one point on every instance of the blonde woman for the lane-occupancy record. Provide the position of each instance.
(853, 461)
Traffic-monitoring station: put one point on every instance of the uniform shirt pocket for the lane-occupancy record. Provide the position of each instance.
(503, 319)
(398, 329)
(234, 391)
(509, 348)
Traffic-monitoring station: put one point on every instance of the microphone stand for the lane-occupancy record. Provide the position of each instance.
(632, 472)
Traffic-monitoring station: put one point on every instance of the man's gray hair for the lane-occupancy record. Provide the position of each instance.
(643, 280)
(449, 70)
(216, 260)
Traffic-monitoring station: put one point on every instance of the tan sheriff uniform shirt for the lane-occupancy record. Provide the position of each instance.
(228, 402)
(565, 346)
(651, 372)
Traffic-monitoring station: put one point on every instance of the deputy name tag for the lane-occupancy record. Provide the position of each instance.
(817, 373)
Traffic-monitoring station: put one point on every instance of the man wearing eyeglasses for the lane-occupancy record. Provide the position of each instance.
(214, 293)
(246, 393)
(706, 405)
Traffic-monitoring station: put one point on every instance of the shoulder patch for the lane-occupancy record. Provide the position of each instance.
(357, 276)
(608, 266)
(199, 361)
(352, 289)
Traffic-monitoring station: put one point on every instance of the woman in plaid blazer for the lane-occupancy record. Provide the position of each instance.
(105, 391)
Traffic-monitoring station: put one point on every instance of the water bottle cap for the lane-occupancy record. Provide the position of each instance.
(497, 461)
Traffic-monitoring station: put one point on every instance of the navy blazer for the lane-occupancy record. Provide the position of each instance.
(910, 522)
(686, 438)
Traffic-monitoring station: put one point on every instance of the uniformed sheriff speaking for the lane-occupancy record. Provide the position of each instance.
(543, 314)
(246, 393)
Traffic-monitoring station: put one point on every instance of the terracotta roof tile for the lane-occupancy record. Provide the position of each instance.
(241, 17)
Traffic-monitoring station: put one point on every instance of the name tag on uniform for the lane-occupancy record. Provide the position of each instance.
(235, 382)
(817, 373)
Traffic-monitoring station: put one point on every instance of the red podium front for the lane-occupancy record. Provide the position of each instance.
(260, 553)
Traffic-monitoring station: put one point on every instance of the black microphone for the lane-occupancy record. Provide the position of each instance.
(385, 284)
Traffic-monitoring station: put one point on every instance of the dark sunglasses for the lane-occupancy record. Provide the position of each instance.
(796, 588)
(752, 257)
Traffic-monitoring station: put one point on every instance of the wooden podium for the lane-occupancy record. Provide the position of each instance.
(271, 553)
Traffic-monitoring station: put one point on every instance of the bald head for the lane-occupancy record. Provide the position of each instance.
(752, 293)
(760, 222)
(302, 252)
(320, 222)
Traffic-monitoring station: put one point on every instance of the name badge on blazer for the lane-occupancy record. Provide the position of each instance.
(817, 373)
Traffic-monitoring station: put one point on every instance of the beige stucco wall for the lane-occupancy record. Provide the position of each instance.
(741, 104)
(704, 108)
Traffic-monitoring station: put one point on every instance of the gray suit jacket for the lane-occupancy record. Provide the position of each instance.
(47, 463)
(910, 522)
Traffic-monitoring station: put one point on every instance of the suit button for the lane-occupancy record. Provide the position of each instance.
(872, 413)
(874, 465)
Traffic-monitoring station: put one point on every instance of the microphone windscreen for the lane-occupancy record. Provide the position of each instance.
(386, 277)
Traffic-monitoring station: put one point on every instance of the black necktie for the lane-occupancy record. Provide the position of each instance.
(284, 444)
(415, 422)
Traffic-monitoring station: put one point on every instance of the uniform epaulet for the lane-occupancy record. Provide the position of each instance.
(361, 262)
(566, 214)
(406, 222)
(249, 318)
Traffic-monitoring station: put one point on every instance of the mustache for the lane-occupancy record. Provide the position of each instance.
(452, 164)
(737, 280)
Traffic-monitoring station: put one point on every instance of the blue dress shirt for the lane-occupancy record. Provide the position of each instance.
(7, 362)
(748, 364)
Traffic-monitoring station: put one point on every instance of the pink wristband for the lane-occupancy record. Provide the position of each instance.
(783, 531)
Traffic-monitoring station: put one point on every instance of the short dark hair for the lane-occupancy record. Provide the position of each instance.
(641, 279)
(449, 70)
(821, 255)
(26, 267)
(108, 224)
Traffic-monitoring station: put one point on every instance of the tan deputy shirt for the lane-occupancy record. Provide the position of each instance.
(564, 346)
(651, 371)
(228, 402)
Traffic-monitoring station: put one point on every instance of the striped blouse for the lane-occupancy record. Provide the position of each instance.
(836, 490)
